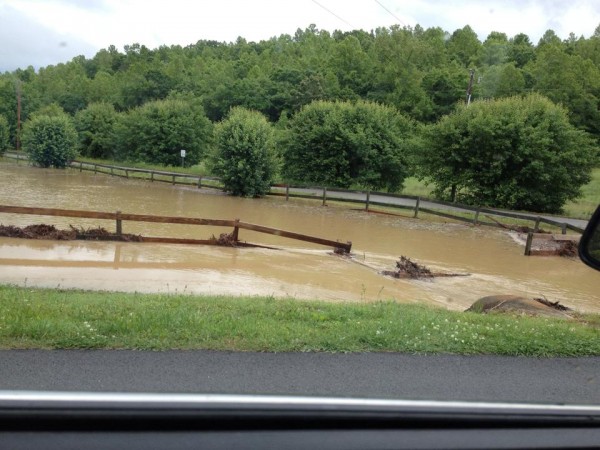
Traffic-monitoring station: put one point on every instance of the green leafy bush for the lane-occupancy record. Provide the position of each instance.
(95, 126)
(157, 131)
(519, 153)
(243, 155)
(50, 141)
(344, 143)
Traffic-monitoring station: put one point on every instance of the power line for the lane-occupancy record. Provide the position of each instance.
(333, 14)
(391, 13)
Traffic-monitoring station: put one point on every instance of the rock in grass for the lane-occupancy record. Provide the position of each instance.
(522, 305)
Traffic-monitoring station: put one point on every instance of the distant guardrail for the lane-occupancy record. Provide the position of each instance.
(416, 204)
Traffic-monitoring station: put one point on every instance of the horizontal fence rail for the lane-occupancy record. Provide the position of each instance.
(118, 217)
(368, 198)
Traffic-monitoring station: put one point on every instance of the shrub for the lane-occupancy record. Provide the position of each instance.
(341, 143)
(243, 155)
(95, 126)
(518, 153)
(50, 141)
(157, 131)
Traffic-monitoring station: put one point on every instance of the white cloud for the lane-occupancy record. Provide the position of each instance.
(89, 25)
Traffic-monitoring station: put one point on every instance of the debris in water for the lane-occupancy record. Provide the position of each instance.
(409, 269)
(50, 232)
(41, 231)
(568, 249)
(224, 239)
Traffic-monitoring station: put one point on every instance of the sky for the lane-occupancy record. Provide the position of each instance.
(45, 32)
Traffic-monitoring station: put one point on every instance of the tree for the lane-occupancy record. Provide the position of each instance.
(341, 143)
(464, 45)
(4, 134)
(243, 155)
(157, 131)
(518, 153)
(95, 126)
(50, 141)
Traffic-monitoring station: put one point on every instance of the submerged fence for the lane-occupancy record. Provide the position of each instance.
(236, 224)
(415, 204)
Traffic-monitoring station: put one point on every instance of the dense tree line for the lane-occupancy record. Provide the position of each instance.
(345, 107)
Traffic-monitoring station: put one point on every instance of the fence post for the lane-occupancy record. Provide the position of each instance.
(324, 196)
(536, 227)
(112, 171)
(119, 224)
(126, 173)
(528, 244)
(417, 206)
(236, 230)
(199, 182)
(95, 168)
(564, 228)
(152, 176)
(476, 218)
(368, 201)
(80, 166)
(173, 179)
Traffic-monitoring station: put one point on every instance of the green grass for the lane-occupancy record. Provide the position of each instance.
(199, 169)
(584, 207)
(413, 186)
(46, 318)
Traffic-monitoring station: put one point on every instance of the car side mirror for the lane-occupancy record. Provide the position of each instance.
(589, 245)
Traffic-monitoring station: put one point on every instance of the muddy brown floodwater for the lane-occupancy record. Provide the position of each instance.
(300, 270)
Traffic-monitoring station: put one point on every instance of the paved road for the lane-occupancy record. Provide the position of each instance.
(377, 375)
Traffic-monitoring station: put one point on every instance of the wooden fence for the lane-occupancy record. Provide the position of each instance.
(119, 217)
(469, 214)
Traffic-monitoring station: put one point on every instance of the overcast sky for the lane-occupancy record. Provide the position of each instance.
(43, 32)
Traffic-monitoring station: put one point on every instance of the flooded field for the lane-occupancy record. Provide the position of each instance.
(297, 269)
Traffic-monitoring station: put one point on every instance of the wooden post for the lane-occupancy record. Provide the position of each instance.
(528, 244)
(173, 179)
(151, 176)
(126, 173)
(112, 172)
(119, 224)
(368, 201)
(287, 192)
(199, 182)
(324, 196)
(564, 228)
(476, 218)
(80, 166)
(95, 168)
(236, 230)
(417, 206)
(536, 227)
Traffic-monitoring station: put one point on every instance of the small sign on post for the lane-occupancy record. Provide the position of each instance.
(182, 156)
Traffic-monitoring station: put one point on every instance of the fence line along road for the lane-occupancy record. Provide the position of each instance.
(410, 202)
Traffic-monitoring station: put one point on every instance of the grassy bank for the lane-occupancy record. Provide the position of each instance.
(46, 318)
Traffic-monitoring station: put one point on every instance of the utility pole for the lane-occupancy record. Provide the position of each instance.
(470, 86)
(18, 136)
